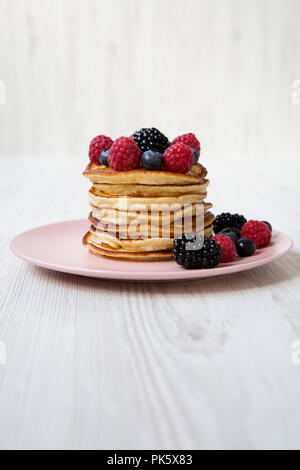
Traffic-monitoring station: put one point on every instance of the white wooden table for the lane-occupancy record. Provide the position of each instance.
(96, 364)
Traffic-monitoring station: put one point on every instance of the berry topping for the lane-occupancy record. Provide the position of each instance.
(151, 139)
(196, 155)
(232, 235)
(98, 145)
(124, 155)
(226, 219)
(152, 160)
(228, 247)
(192, 252)
(245, 247)
(235, 230)
(188, 139)
(257, 231)
(268, 224)
(178, 158)
(104, 157)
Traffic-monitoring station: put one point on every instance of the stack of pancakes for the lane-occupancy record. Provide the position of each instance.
(137, 214)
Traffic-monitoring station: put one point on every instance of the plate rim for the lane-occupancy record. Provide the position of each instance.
(112, 274)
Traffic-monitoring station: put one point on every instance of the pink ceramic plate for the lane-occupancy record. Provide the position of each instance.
(58, 247)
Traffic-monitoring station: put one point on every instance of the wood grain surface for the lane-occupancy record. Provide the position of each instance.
(96, 364)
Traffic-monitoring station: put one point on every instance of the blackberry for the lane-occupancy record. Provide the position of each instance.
(151, 139)
(192, 252)
(228, 220)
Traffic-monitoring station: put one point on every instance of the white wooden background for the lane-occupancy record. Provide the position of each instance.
(95, 364)
(223, 68)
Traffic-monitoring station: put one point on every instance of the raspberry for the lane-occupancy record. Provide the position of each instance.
(98, 145)
(257, 231)
(228, 247)
(188, 139)
(124, 155)
(178, 158)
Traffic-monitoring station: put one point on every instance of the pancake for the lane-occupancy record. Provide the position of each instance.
(106, 250)
(170, 230)
(136, 215)
(146, 203)
(113, 242)
(117, 217)
(146, 256)
(103, 174)
(148, 190)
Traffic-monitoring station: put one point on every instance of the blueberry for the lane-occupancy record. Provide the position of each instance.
(245, 247)
(152, 160)
(268, 224)
(232, 235)
(104, 157)
(196, 155)
(231, 229)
